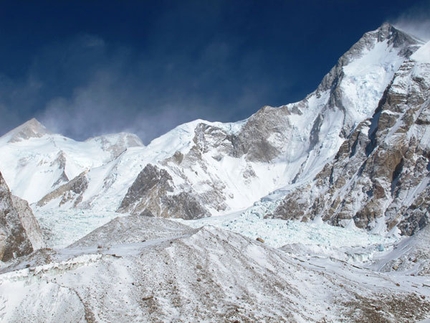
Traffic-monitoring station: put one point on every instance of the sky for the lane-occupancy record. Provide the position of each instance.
(87, 68)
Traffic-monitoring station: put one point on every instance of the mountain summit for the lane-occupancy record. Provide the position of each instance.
(30, 129)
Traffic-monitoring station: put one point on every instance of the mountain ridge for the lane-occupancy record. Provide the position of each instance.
(383, 148)
(30, 129)
(207, 168)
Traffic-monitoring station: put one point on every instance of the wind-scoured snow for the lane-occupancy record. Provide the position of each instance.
(422, 55)
(375, 66)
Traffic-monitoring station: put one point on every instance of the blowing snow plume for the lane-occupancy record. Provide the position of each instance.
(416, 21)
(86, 86)
(111, 92)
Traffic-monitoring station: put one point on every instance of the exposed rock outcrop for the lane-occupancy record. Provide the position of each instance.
(71, 192)
(153, 194)
(30, 129)
(14, 241)
(29, 222)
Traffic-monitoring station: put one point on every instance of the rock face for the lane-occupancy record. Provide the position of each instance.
(14, 241)
(379, 178)
(152, 194)
(29, 222)
(30, 129)
(70, 192)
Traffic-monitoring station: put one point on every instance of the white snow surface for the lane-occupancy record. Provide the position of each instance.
(375, 67)
(204, 275)
(422, 55)
(32, 167)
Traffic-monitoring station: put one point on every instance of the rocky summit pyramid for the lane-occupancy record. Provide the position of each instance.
(30, 129)
(379, 177)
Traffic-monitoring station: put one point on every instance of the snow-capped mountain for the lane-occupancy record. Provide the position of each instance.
(379, 178)
(204, 168)
(350, 163)
(36, 161)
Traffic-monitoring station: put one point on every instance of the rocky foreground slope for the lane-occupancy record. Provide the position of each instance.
(143, 269)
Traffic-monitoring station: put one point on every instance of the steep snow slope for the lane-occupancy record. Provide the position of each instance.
(35, 161)
(203, 275)
(379, 179)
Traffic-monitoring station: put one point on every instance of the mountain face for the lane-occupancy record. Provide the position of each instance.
(380, 175)
(352, 150)
(19, 231)
(36, 162)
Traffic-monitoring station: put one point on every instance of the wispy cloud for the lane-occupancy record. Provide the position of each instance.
(172, 62)
(416, 20)
(108, 88)
(115, 90)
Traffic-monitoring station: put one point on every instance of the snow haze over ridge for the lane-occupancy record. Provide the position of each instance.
(167, 64)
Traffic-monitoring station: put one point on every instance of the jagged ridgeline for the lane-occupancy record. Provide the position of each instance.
(354, 151)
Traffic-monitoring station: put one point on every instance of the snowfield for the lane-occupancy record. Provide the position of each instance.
(205, 275)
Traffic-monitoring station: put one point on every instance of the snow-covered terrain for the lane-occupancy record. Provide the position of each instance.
(155, 270)
(36, 161)
(295, 214)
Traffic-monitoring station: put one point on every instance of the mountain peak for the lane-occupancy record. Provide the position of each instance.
(385, 31)
(370, 45)
(30, 129)
(394, 36)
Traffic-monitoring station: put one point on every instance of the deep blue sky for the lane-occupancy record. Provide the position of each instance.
(90, 67)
